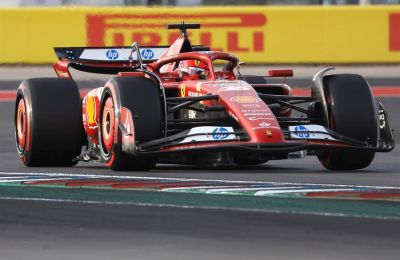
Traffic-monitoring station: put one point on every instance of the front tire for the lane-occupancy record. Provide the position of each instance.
(351, 112)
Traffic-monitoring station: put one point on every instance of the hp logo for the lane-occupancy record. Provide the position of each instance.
(147, 54)
(302, 131)
(220, 133)
(112, 54)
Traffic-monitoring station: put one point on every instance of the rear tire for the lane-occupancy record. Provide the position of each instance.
(352, 112)
(141, 97)
(48, 122)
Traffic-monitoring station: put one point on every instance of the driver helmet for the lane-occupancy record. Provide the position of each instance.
(193, 67)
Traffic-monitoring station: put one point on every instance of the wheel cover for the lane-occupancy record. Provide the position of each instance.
(108, 125)
(21, 125)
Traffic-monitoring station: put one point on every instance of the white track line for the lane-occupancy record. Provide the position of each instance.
(200, 187)
(253, 189)
(267, 192)
(29, 181)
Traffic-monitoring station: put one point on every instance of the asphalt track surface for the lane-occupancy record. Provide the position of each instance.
(51, 229)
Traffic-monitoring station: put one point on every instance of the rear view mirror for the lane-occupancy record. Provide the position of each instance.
(280, 73)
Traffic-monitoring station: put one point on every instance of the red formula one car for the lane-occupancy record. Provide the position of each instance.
(187, 104)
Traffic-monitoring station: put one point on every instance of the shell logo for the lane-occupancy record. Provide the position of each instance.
(245, 99)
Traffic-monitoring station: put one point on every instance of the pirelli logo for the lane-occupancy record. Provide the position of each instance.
(228, 32)
(394, 32)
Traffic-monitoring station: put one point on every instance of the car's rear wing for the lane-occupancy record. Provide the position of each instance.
(107, 60)
(114, 54)
(109, 54)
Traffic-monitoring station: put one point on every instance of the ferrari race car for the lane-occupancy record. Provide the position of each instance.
(189, 105)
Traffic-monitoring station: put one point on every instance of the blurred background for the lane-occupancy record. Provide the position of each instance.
(192, 2)
(257, 31)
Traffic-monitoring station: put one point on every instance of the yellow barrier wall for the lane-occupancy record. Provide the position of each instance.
(256, 34)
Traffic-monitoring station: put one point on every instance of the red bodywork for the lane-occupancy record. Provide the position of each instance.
(242, 104)
(238, 97)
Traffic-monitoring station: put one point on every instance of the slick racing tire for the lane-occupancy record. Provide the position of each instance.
(353, 113)
(48, 122)
(141, 97)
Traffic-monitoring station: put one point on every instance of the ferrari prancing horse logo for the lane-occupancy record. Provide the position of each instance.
(91, 111)
(182, 87)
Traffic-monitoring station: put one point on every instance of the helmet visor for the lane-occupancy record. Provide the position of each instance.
(195, 70)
